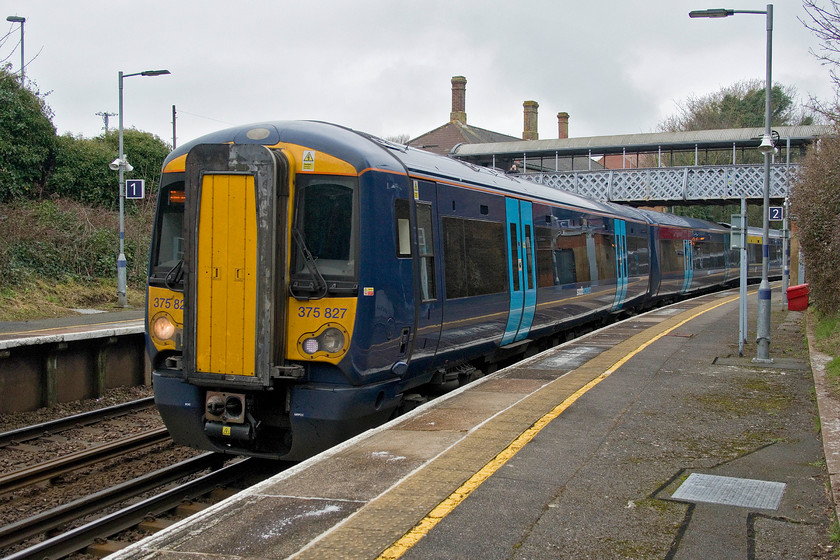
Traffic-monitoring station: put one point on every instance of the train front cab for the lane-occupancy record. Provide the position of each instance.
(253, 351)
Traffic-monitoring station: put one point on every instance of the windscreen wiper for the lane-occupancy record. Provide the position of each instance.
(174, 279)
(309, 260)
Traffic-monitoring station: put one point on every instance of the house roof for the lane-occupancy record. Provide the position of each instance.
(445, 138)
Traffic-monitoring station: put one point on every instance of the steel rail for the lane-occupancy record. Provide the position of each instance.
(56, 467)
(82, 537)
(69, 422)
(19, 531)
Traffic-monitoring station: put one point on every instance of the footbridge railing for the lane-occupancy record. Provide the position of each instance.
(673, 185)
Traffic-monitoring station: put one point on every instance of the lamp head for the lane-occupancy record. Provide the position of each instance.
(16, 19)
(766, 146)
(711, 13)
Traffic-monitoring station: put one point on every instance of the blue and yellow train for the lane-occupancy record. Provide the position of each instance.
(308, 281)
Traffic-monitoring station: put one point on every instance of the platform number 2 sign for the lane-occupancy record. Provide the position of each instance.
(777, 213)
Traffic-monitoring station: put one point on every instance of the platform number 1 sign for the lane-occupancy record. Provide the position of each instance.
(135, 188)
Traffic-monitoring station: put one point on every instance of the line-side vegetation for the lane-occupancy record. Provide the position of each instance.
(59, 223)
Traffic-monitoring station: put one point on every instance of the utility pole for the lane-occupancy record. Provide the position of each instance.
(105, 115)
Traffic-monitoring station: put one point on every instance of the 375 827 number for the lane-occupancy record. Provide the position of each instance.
(168, 303)
(326, 313)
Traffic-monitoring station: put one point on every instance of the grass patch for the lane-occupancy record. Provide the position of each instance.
(42, 299)
(827, 335)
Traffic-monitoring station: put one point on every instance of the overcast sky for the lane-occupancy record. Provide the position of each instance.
(384, 66)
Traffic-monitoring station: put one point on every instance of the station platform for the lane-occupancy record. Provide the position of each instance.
(83, 326)
(650, 438)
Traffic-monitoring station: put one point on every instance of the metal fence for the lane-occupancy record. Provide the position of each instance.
(672, 184)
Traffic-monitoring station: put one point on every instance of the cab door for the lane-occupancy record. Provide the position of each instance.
(521, 273)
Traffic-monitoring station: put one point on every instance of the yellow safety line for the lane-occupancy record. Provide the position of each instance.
(446, 507)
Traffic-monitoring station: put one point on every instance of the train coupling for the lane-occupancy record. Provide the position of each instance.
(218, 430)
(227, 417)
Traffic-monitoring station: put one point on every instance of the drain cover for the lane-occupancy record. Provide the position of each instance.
(729, 491)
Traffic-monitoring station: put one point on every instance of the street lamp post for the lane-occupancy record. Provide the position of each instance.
(766, 147)
(122, 164)
(21, 21)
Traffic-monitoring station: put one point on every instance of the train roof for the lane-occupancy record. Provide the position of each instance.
(665, 219)
(365, 151)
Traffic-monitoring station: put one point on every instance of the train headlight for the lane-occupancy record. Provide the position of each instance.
(163, 328)
(330, 341)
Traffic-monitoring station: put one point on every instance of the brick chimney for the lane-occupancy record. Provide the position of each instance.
(530, 131)
(562, 125)
(459, 99)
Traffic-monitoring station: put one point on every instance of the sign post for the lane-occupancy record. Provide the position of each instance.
(739, 241)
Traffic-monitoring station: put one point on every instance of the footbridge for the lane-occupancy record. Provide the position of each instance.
(664, 168)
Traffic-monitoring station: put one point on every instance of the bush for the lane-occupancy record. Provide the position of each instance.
(815, 202)
(61, 239)
(81, 169)
(27, 139)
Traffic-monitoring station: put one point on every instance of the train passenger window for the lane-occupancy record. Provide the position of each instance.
(671, 256)
(529, 258)
(426, 251)
(560, 252)
(605, 255)
(474, 257)
(638, 256)
(514, 257)
(403, 228)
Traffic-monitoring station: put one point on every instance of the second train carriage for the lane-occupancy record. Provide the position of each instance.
(306, 281)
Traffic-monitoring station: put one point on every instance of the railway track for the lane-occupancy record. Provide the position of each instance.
(48, 470)
(50, 520)
(28, 433)
(79, 523)
(100, 530)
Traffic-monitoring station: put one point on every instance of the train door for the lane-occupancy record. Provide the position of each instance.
(688, 264)
(235, 218)
(620, 264)
(429, 302)
(521, 274)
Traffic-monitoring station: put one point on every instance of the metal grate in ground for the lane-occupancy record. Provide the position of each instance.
(725, 490)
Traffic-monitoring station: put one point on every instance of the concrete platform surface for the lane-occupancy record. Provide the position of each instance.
(574, 453)
(76, 327)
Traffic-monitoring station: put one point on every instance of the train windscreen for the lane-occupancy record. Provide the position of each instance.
(325, 229)
(168, 245)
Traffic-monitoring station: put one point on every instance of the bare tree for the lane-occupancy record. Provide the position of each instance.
(825, 24)
(398, 138)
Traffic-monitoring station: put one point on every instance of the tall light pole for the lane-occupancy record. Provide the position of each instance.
(766, 147)
(121, 163)
(21, 21)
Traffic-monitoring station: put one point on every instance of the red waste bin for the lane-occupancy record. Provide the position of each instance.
(797, 297)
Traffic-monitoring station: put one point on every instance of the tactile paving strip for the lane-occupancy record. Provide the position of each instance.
(725, 490)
